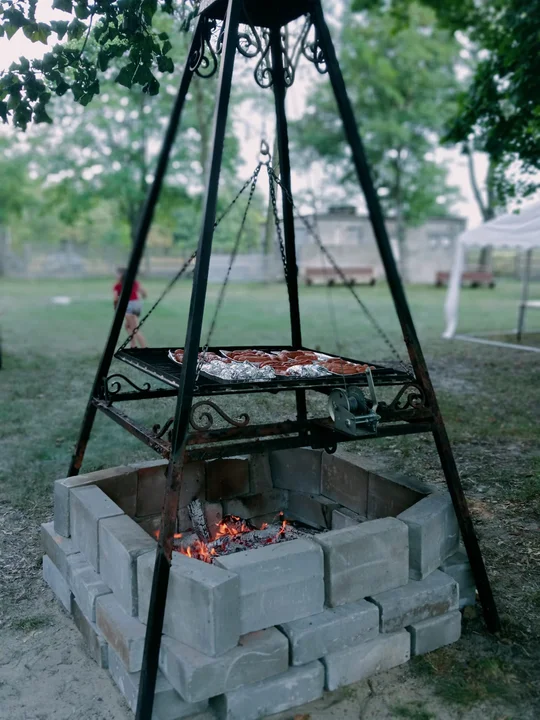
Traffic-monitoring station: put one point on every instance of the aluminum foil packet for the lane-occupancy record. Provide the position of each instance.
(307, 371)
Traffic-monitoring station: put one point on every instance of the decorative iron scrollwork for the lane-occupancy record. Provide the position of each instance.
(410, 397)
(311, 47)
(204, 60)
(159, 431)
(206, 419)
(113, 385)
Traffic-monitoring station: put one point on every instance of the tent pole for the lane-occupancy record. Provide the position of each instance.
(524, 293)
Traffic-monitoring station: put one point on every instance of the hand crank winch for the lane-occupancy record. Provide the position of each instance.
(352, 413)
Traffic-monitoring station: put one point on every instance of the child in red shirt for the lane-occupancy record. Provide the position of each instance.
(134, 307)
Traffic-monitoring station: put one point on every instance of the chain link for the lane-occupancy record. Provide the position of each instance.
(221, 297)
(277, 223)
(341, 274)
(188, 262)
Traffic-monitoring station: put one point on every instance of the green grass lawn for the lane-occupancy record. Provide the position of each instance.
(51, 353)
(490, 398)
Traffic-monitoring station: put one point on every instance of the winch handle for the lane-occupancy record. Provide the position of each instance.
(372, 390)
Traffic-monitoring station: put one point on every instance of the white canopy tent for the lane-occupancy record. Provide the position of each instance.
(520, 231)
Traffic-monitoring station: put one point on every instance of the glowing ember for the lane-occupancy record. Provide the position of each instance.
(232, 535)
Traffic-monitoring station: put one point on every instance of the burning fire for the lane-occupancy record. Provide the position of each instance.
(229, 529)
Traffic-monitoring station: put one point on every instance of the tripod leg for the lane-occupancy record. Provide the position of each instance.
(136, 255)
(160, 582)
(278, 74)
(416, 355)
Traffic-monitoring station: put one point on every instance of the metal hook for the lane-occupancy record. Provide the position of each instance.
(265, 153)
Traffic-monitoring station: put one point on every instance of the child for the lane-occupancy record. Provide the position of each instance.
(134, 307)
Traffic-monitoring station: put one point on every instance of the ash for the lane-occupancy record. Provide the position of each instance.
(237, 535)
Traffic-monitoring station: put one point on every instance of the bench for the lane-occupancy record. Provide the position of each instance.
(473, 279)
(330, 276)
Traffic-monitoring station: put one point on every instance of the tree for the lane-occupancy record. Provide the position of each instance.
(500, 108)
(123, 30)
(401, 85)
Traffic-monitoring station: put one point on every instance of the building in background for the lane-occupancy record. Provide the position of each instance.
(349, 238)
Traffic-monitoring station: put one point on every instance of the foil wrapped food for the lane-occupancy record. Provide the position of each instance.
(307, 371)
(237, 372)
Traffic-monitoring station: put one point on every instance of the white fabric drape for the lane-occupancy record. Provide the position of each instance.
(507, 231)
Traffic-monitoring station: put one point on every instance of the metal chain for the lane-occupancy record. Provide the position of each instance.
(185, 266)
(341, 274)
(221, 297)
(277, 223)
(158, 301)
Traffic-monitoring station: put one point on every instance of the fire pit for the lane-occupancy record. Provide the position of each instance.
(294, 572)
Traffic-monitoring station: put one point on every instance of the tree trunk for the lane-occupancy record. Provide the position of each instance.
(201, 109)
(487, 210)
(3, 250)
(401, 226)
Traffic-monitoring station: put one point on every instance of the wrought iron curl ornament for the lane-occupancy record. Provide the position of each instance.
(159, 431)
(411, 396)
(204, 60)
(206, 420)
(311, 47)
(251, 44)
(113, 385)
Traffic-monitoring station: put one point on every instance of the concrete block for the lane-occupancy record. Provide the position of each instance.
(260, 474)
(436, 632)
(263, 520)
(278, 583)
(364, 560)
(298, 469)
(121, 541)
(227, 479)
(361, 661)
(459, 568)
(203, 603)
(390, 493)
(125, 634)
(87, 586)
(167, 703)
(256, 505)
(57, 547)
(433, 533)
(89, 505)
(251, 702)
(53, 578)
(345, 480)
(314, 637)
(343, 517)
(418, 600)
(313, 510)
(105, 479)
(197, 677)
(150, 487)
(94, 642)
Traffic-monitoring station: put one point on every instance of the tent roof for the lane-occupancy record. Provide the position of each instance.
(512, 230)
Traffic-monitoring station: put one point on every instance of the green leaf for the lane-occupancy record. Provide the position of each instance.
(65, 5)
(165, 64)
(81, 10)
(37, 32)
(103, 59)
(3, 111)
(60, 27)
(143, 75)
(40, 114)
(125, 76)
(152, 88)
(76, 29)
(167, 47)
(61, 88)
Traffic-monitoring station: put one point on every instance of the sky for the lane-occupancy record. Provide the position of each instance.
(253, 124)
